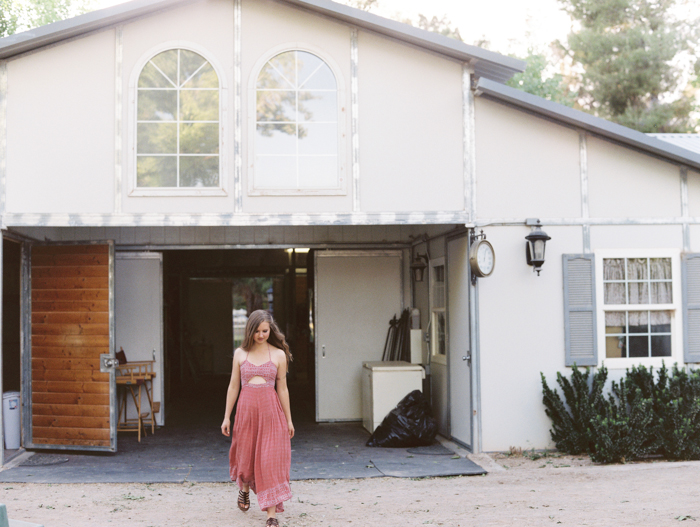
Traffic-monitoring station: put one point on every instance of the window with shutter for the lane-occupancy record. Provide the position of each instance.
(580, 310)
(691, 307)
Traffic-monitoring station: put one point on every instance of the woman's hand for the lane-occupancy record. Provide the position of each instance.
(226, 427)
(290, 426)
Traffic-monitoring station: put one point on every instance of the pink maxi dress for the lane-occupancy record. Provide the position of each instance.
(261, 452)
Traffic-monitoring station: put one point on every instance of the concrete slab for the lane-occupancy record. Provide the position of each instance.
(200, 454)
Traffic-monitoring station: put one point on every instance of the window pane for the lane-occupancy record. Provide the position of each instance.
(199, 105)
(660, 320)
(276, 171)
(615, 293)
(318, 106)
(199, 138)
(613, 269)
(661, 346)
(167, 63)
(438, 286)
(276, 139)
(439, 333)
(639, 346)
(199, 171)
(323, 79)
(206, 77)
(276, 106)
(637, 269)
(638, 321)
(318, 171)
(660, 268)
(279, 71)
(615, 347)
(190, 62)
(157, 105)
(272, 78)
(638, 293)
(156, 138)
(615, 322)
(318, 139)
(661, 293)
(152, 78)
(158, 171)
(307, 65)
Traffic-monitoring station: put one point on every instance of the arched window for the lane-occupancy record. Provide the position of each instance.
(296, 124)
(177, 122)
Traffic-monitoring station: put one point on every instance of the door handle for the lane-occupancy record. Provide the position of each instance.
(323, 351)
(467, 357)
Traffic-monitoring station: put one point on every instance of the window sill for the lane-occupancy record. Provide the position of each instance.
(175, 192)
(296, 192)
(654, 362)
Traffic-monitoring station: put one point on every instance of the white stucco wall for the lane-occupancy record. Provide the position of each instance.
(410, 105)
(60, 128)
(527, 167)
(521, 334)
(623, 183)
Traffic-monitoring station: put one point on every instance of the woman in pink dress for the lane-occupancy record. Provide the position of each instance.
(260, 455)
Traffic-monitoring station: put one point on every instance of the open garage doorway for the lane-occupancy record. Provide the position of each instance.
(208, 295)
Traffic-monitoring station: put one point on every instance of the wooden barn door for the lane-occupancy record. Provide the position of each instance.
(70, 392)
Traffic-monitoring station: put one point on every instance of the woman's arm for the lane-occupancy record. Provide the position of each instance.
(283, 391)
(234, 387)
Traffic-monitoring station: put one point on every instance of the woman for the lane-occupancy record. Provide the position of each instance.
(260, 455)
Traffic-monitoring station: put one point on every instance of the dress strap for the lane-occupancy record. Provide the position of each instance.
(269, 353)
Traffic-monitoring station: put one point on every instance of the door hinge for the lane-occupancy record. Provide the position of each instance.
(108, 363)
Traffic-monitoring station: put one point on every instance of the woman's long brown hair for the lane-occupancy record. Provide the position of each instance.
(276, 337)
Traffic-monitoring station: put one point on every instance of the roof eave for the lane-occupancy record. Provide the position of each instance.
(486, 63)
(73, 27)
(583, 121)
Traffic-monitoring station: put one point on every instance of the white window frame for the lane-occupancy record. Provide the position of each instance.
(222, 190)
(341, 188)
(434, 355)
(676, 308)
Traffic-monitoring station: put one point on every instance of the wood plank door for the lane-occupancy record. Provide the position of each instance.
(69, 402)
(357, 294)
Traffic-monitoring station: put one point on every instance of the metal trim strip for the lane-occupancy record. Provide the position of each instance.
(230, 219)
(3, 135)
(583, 170)
(355, 113)
(237, 109)
(685, 210)
(118, 118)
(469, 142)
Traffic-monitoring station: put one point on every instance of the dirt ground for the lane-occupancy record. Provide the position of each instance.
(520, 490)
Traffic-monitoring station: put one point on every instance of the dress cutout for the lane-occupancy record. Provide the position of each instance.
(261, 452)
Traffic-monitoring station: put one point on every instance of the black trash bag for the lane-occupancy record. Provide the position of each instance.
(408, 425)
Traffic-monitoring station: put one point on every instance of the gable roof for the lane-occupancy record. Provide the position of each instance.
(584, 121)
(688, 141)
(486, 63)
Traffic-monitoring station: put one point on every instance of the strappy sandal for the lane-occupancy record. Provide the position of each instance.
(272, 522)
(244, 500)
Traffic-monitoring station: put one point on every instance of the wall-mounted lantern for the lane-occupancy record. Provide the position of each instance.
(418, 267)
(536, 242)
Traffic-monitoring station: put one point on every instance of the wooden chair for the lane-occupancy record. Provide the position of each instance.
(132, 377)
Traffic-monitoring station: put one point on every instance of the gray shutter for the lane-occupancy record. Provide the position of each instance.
(579, 310)
(691, 307)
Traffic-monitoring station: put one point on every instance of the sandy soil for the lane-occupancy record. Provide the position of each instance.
(520, 490)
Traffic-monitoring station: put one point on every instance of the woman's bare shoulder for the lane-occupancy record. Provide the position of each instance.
(238, 352)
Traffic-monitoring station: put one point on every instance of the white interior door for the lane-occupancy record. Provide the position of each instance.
(458, 354)
(357, 293)
(138, 307)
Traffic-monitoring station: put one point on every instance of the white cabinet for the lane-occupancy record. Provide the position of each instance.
(384, 384)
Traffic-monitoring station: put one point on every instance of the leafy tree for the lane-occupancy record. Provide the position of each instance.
(535, 80)
(365, 5)
(627, 50)
(21, 15)
(438, 25)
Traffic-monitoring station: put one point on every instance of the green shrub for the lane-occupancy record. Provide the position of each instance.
(642, 415)
(571, 423)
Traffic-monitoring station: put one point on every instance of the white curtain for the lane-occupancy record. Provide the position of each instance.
(648, 281)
